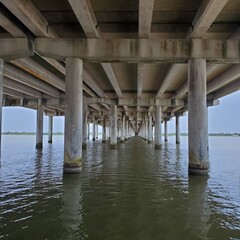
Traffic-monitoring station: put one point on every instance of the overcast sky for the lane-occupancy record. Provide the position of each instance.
(222, 118)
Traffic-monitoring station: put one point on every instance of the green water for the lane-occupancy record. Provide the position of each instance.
(133, 192)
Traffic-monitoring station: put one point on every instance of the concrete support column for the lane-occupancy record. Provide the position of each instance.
(146, 128)
(123, 130)
(50, 129)
(158, 129)
(177, 130)
(73, 116)
(88, 130)
(114, 130)
(197, 117)
(1, 97)
(104, 129)
(126, 129)
(165, 131)
(149, 129)
(39, 132)
(94, 129)
(85, 119)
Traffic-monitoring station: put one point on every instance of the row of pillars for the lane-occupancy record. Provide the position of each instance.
(75, 116)
(146, 130)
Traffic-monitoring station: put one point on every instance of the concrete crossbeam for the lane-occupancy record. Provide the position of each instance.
(140, 50)
(15, 48)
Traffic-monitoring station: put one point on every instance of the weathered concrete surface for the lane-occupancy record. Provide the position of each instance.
(104, 129)
(165, 131)
(50, 129)
(123, 130)
(39, 130)
(197, 118)
(149, 129)
(158, 128)
(15, 48)
(113, 139)
(85, 119)
(73, 116)
(177, 130)
(140, 50)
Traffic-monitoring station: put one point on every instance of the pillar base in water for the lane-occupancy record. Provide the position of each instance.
(177, 142)
(113, 146)
(39, 145)
(72, 168)
(122, 141)
(149, 141)
(158, 146)
(84, 146)
(49, 141)
(103, 141)
(200, 170)
(165, 140)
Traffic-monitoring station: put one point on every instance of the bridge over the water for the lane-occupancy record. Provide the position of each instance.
(127, 65)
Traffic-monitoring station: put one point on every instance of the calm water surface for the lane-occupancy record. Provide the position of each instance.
(133, 192)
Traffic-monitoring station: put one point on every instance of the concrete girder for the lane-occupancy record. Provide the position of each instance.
(40, 72)
(111, 76)
(230, 88)
(31, 17)
(145, 18)
(206, 14)
(9, 26)
(85, 15)
(224, 78)
(140, 50)
(12, 93)
(15, 48)
(168, 78)
(17, 86)
(25, 78)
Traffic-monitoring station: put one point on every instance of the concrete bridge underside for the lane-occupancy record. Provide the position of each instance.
(126, 65)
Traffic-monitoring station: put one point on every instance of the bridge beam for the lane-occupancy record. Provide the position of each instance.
(140, 50)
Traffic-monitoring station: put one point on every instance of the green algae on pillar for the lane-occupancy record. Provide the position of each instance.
(73, 116)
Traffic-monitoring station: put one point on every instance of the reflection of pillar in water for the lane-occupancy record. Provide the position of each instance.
(71, 217)
(199, 210)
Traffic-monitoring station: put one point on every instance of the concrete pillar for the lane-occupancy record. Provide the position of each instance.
(123, 130)
(149, 129)
(73, 116)
(1, 97)
(104, 129)
(177, 130)
(94, 129)
(39, 131)
(50, 128)
(158, 129)
(126, 129)
(114, 130)
(88, 129)
(85, 119)
(197, 117)
(146, 128)
(165, 131)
